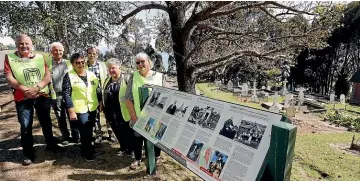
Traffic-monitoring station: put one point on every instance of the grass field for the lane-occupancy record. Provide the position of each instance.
(315, 158)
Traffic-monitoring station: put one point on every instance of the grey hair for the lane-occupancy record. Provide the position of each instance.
(114, 61)
(142, 54)
(54, 44)
(19, 36)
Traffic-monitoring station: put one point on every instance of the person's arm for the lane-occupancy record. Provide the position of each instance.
(66, 93)
(130, 99)
(99, 97)
(47, 77)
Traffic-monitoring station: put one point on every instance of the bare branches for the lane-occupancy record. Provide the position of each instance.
(195, 8)
(289, 8)
(140, 8)
(223, 13)
(269, 14)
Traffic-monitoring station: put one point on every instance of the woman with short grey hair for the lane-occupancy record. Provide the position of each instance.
(114, 105)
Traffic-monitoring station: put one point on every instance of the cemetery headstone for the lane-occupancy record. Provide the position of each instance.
(217, 83)
(254, 97)
(244, 90)
(230, 86)
(284, 91)
(301, 96)
(287, 101)
(268, 88)
(263, 87)
(332, 98)
(291, 110)
(342, 99)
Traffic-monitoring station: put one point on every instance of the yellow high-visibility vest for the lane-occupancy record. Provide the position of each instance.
(28, 72)
(84, 97)
(138, 81)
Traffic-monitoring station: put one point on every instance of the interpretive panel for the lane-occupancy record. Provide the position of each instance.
(217, 140)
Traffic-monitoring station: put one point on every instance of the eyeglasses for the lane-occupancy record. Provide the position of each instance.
(81, 62)
(143, 62)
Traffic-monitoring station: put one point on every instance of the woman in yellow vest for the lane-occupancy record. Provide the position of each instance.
(114, 105)
(29, 76)
(143, 75)
(81, 97)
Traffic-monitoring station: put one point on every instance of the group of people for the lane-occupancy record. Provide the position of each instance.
(78, 89)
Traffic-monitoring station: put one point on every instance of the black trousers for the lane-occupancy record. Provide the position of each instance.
(122, 131)
(85, 124)
(138, 142)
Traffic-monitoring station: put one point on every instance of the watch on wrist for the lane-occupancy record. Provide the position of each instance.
(38, 87)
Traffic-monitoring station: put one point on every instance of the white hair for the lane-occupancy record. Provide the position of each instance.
(114, 61)
(55, 44)
(144, 55)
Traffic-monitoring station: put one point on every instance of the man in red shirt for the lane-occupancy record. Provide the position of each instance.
(29, 77)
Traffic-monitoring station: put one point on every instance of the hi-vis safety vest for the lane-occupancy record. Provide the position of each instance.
(124, 111)
(103, 71)
(138, 81)
(84, 97)
(49, 63)
(28, 72)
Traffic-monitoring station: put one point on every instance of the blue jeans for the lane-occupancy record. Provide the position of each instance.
(85, 124)
(25, 113)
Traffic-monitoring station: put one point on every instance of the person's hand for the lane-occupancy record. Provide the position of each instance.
(132, 121)
(32, 92)
(72, 115)
(101, 107)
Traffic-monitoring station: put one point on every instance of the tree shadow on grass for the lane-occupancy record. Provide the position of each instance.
(94, 177)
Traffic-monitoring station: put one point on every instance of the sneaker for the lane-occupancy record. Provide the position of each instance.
(65, 143)
(98, 140)
(27, 161)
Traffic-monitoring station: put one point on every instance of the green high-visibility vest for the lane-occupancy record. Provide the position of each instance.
(28, 72)
(103, 71)
(124, 111)
(138, 81)
(84, 97)
(49, 62)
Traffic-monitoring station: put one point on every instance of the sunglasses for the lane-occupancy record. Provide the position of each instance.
(81, 62)
(143, 62)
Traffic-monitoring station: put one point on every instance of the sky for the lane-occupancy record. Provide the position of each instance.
(103, 47)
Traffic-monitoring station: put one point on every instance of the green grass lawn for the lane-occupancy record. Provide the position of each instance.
(314, 158)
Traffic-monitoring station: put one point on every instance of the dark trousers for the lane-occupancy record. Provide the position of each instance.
(25, 113)
(97, 128)
(60, 113)
(121, 130)
(85, 124)
(138, 141)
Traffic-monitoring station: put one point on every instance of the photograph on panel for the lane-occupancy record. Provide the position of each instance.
(158, 100)
(161, 130)
(217, 163)
(177, 108)
(194, 151)
(204, 116)
(150, 125)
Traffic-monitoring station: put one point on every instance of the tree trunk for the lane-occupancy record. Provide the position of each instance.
(185, 74)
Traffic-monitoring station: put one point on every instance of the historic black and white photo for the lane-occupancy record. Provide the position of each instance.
(206, 117)
(158, 100)
(247, 132)
(161, 130)
(177, 108)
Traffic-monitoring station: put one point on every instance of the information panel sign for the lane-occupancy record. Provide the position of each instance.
(217, 140)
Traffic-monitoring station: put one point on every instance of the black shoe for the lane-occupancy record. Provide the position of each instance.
(27, 161)
(55, 148)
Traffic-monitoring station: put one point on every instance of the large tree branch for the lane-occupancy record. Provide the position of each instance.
(138, 9)
(227, 12)
(222, 64)
(274, 3)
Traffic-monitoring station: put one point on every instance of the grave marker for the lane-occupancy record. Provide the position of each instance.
(230, 86)
(244, 90)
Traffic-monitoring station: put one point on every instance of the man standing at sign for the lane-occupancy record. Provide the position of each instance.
(100, 70)
(28, 75)
(58, 67)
